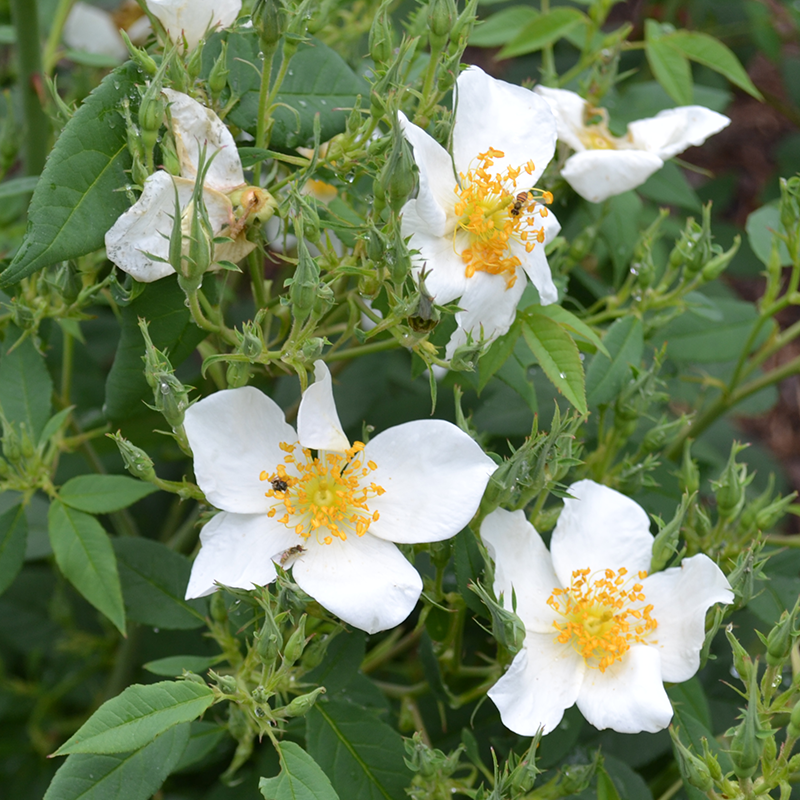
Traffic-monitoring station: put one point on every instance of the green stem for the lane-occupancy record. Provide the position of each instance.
(257, 277)
(124, 665)
(37, 127)
(548, 60)
(261, 121)
(54, 37)
(66, 368)
(364, 349)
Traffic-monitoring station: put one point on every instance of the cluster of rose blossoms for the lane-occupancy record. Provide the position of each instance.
(600, 631)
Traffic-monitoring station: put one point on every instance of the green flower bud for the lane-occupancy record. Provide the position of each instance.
(314, 652)
(717, 265)
(238, 726)
(268, 21)
(22, 315)
(151, 115)
(12, 449)
(507, 627)
(27, 447)
(712, 764)
(169, 156)
(238, 374)
(226, 683)
(440, 552)
(440, 19)
(252, 344)
(194, 66)
(401, 267)
(576, 778)
(200, 254)
(781, 638)
(301, 705)
(426, 760)
(463, 25)
(136, 461)
(665, 544)
(218, 609)
(267, 642)
(304, 284)
(742, 662)
(381, 38)
(397, 176)
(5, 469)
(312, 348)
(729, 489)
(296, 644)
(793, 729)
(747, 745)
(377, 245)
(139, 56)
(695, 769)
(218, 77)
(465, 356)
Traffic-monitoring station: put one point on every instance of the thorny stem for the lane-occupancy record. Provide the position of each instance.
(263, 108)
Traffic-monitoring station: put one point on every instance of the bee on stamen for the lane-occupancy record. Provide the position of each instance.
(519, 203)
(292, 553)
(279, 485)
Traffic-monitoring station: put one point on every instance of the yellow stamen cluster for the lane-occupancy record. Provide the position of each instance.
(493, 216)
(326, 493)
(602, 617)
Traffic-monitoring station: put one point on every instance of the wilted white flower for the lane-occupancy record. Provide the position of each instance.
(332, 516)
(477, 220)
(192, 18)
(600, 632)
(604, 165)
(144, 229)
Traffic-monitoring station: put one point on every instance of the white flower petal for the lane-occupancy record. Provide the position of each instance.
(535, 263)
(542, 682)
(680, 597)
(146, 227)
(236, 551)
(493, 113)
(568, 109)
(234, 435)
(364, 581)
(670, 132)
(318, 425)
(489, 307)
(196, 127)
(445, 278)
(521, 561)
(600, 529)
(599, 174)
(629, 696)
(434, 475)
(437, 181)
(193, 17)
(92, 30)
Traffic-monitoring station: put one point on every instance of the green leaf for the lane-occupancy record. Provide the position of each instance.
(78, 196)
(690, 338)
(558, 356)
(669, 66)
(712, 53)
(102, 494)
(568, 320)
(13, 538)
(132, 776)
(760, 226)
(154, 580)
(54, 424)
(502, 27)
(203, 740)
(300, 777)
(173, 666)
(85, 556)
(668, 186)
(134, 718)
(18, 186)
(605, 786)
(341, 663)
(605, 376)
(362, 756)
(497, 355)
(25, 384)
(514, 374)
(163, 304)
(545, 29)
(318, 81)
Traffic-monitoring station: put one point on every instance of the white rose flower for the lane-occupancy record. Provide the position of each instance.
(604, 165)
(333, 516)
(600, 632)
(144, 229)
(477, 221)
(192, 18)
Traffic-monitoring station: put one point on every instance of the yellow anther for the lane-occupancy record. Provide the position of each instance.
(595, 617)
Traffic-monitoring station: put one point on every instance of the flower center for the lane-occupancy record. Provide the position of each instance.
(493, 213)
(596, 139)
(325, 495)
(602, 618)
